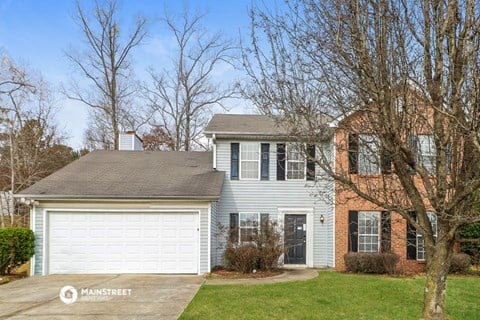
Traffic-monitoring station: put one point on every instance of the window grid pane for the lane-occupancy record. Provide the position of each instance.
(428, 152)
(368, 231)
(295, 163)
(420, 241)
(249, 161)
(368, 154)
(249, 223)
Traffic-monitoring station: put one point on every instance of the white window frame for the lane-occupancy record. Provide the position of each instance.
(240, 240)
(420, 242)
(365, 151)
(378, 234)
(258, 160)
(427, 157)
(287, 160)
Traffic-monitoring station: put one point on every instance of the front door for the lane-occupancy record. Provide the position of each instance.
(295, 238)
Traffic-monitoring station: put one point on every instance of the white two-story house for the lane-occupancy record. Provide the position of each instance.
(268, 177)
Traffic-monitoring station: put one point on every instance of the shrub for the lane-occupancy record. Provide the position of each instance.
(261, 253)
(472, 248)
(460, 263)
(270, 246)
(380, 263)
(242, 258)
(17, 246)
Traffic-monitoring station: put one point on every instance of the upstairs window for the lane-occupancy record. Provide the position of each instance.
(366, 156)
(427, 152)
(249, 161)
(295, 163)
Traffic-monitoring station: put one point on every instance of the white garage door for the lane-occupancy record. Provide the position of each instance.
(122, 243)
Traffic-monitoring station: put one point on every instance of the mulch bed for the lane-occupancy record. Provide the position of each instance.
(220, 273)
(11, 277)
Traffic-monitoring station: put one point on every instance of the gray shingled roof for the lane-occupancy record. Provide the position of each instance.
(133, 174)
(249, 125)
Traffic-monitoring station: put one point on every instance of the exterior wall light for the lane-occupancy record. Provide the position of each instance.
(322, 219)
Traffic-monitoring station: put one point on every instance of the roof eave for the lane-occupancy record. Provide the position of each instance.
(110, 197)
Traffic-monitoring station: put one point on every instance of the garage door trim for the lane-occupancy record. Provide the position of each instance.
(46, 226)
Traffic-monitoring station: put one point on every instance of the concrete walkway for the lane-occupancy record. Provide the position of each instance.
(288, 275)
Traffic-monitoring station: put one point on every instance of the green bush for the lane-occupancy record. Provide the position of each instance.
(17, 246)
(371, 262)
(472, 248)
(461, 262)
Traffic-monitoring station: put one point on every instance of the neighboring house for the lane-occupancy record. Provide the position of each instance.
(362, 226)
(268, 177)
(125, 212)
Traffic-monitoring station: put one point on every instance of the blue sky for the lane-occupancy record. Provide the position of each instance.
(37, 33)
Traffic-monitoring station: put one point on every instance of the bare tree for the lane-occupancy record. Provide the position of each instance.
(105, 64)
(30, 146)
(184, 95)
(394, 70)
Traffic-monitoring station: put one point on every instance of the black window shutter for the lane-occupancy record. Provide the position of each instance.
(352, 231)
(265, 159)
(386, 236)
(412, 143)
(233, 227)
(311, 162)
(386, 162)
(448, 158)
(411, 240)
(264, 221)
(234, 160)
(280, 161)
(353, 153)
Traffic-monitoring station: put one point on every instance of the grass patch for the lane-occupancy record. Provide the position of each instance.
(332, 296)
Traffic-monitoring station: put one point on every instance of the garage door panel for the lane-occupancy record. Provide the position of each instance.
(123, 242)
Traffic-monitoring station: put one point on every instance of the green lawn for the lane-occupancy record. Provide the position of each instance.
(332, 296)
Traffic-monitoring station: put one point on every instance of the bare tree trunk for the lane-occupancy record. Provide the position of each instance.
(436, 282)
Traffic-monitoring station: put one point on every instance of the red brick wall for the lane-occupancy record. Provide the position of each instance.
(346, 200)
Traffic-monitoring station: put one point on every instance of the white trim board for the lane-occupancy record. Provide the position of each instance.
(309, 213)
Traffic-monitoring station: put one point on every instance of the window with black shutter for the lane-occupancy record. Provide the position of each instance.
(233, 234)
(411, 239)
(265, 159)
(353, 153)
(280, 161)
(234, 160)
(311, 162)
(386, 234)
(353, 231)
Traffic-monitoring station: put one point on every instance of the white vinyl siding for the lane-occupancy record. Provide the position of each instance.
(368, 231)
(270, 195)
(295, 160)
(368, 154)
(249, 161)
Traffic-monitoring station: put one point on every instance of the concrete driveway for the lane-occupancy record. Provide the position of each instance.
(98, 297)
